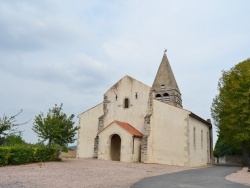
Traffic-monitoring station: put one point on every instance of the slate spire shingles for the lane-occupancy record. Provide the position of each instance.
(165, 87)
(165, 76)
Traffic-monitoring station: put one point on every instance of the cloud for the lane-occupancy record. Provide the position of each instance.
(54, 51)
(81, 72)
(28, 27)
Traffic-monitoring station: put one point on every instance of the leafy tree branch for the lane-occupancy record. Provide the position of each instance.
(55, 127)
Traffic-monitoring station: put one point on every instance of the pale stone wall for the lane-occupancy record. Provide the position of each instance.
(127, 87)
(199, 145)
(126, 144)
(168, 136)
(88, 123)
(137, 150)
(168, 139)
(231, 160)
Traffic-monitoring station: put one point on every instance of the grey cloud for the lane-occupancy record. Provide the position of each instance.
(75, 74)
(33, 38)
(73, 51)
(17, 43)
(27, 27)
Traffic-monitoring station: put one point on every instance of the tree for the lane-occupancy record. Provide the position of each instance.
(8, 125)
(231, 108)
(56, 127)
(13, 139)
(222, 148)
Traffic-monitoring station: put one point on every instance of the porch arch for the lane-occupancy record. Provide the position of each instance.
(115, 147)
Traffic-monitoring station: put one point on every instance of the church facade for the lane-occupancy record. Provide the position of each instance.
(138, 123)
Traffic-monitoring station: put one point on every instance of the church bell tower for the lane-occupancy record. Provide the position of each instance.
(165, 86)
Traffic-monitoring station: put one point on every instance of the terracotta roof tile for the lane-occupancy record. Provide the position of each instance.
(129, 128)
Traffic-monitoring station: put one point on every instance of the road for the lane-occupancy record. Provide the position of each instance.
(203, 177)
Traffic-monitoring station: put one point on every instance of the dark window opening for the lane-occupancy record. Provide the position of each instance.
(194, 138)
(201, 139)
(166, 97)
(162, 87)
(116, 97)
(136, 95)
(126, 103)
(158, 96)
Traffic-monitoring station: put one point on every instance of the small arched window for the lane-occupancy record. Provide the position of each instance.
(126, 103)
(201, 139)
(162, 87)
(207, 140)
(158, 96)
(194, 137)
(166, 97)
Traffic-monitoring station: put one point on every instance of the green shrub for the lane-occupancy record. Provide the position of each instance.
(21, 154)
(45, 153)
(51, 154)
(4, 155)
(65, 148)
(2, 139)
(39, 154)
(12, 140)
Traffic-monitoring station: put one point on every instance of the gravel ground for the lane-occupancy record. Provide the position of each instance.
(242, 176)
(80, 173)
(89, 173)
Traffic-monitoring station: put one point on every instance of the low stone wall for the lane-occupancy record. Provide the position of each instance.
(230, 160)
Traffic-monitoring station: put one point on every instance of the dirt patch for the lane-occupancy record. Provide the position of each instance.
(69, 154)
(80, 173)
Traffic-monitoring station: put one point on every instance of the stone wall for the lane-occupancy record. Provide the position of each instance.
(89, 125)
(167, 142)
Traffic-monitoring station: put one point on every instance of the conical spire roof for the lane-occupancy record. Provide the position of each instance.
(165, 76)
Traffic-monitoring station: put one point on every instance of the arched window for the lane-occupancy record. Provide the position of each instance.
(166, 97)
(126, 103)
(201, 139)
(207, 140)
(162, 87)
(158, 96)
(194, 137)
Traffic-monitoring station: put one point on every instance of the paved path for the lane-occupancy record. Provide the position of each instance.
(204, 177)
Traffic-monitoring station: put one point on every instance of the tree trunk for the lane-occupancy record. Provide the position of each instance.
(246, 155)
(49, 142)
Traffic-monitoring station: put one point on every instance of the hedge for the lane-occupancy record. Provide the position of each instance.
(4, 155)
(23, 154)
(46, 154)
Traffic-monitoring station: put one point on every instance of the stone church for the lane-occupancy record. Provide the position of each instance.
(138, 123)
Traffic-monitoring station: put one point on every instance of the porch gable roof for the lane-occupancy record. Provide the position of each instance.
(127, 127)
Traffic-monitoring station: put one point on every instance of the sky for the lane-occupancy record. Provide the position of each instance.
(72, 52)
